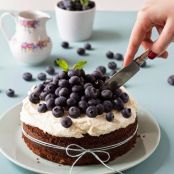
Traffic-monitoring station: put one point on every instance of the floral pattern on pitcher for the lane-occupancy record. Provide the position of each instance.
(29, 24)
(32, 46)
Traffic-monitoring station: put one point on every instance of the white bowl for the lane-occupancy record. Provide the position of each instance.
(75, 25)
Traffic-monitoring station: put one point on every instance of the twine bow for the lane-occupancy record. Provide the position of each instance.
(82, 151)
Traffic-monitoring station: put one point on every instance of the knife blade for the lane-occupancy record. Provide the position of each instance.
(126, 73)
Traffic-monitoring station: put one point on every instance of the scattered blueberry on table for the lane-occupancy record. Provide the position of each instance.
(170, 80)
(81, 51)
(144, 64)
(110, 55)
(27, 76)
(10, 92)
(118, 56)
(112, 65)
(42, 76)
(88, 46)
(50, 70)
(65, 45)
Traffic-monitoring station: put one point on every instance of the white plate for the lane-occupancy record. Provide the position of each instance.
(13, 147)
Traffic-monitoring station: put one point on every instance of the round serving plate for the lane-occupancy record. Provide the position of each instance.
(14, 149)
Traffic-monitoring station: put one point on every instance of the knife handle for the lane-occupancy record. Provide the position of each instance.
(140, 60)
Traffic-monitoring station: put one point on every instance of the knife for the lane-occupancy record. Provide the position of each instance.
(126, 73)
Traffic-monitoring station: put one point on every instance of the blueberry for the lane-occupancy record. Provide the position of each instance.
(74, 112)
(81, 51)
(101, 69)
(171, 80)
(83, 98)
(50, 70)
(39, 88)
(110, 55)
(10, 93)
(112, 72)
(124, 97)
(75, 96)
(126, 112)
(42, 108)
(106, 93)
(73, 72)
(91, 92)
(88, 46)
(144, 64)
(105, 78)
(62, 75)
(78, 6)
(74, 80)
(66, 122)
(77, 88)
(91, 4)
(57, 91)
(118, 105)
(87, 85)
(57, 111)
(65, 44)
(97, 74)
(63, 83)
(83, 105)
(108, 106)
(41, 76)
(118, 56)
(60, 101)
(64, 92)
(100, 108)
(99, 83)
(110, 116)
(43, 94)
(71, 102)
(50, 88)
(117, 93)
(50, 95)
(61, 5)
(92, 102)
(91, 111)
(34, 98)
(90, 78)
(82, 73)
(27, 76)
(56, 79)
(112, 65)
(50, 103)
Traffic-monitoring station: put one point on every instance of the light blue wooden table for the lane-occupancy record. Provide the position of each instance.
(150, 87)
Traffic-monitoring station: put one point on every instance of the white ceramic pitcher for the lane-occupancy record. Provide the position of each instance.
(30, 43)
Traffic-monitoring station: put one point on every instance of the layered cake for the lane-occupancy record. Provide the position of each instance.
(77, 109)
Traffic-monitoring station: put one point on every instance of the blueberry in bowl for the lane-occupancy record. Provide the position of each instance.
(75, 19)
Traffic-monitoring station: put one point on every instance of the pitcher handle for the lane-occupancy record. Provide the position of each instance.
(2, 28)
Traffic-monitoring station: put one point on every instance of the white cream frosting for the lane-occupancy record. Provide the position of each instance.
(82, 125)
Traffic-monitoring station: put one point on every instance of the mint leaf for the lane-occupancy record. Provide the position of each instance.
(80, 64)
(84, 3)
(62, 64)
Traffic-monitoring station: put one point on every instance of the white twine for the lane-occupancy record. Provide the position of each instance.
(82, 151)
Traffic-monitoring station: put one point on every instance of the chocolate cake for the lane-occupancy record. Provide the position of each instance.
(77, 111)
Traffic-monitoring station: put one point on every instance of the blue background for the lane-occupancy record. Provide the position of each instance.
(149, 86)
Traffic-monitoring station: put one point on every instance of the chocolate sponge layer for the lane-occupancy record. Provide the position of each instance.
(60, 156)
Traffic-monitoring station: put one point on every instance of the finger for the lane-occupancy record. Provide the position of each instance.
(138, 33)
(165, 38)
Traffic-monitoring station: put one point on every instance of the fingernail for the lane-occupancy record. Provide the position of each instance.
(152, 55)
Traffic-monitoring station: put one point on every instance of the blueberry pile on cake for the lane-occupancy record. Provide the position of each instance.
(77, 108)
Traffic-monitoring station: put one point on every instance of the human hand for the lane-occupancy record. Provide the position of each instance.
(158, 14)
